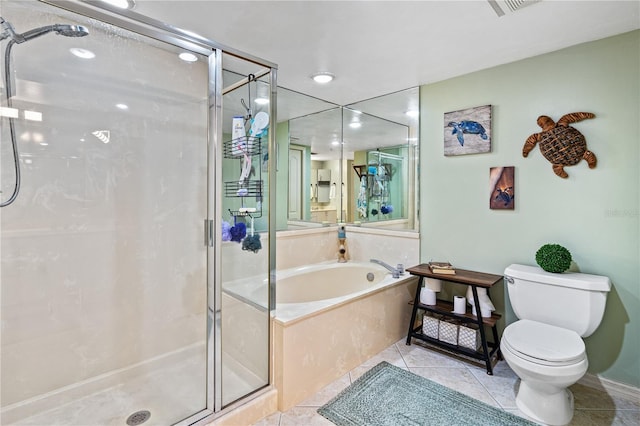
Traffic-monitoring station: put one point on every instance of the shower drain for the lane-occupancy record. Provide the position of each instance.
(138, 418)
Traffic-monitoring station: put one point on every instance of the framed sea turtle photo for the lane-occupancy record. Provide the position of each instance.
(502, 188)
(467, 131)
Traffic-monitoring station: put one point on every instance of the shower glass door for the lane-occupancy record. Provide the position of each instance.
(244, 309)
(103, 264)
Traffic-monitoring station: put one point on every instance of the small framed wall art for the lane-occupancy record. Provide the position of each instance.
(502, 188)
(467, 131)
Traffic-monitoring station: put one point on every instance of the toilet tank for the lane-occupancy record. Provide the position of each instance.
(570, 300)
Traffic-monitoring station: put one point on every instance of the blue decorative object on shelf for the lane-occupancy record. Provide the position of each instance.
(386, 209)
(226, 231)
(238, 232)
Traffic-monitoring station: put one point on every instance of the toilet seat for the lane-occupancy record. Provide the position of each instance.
(543, 344)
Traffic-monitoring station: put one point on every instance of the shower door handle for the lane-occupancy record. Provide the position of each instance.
(209, 234)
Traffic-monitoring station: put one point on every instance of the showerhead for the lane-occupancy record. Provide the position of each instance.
(62, 29)
(71, 30)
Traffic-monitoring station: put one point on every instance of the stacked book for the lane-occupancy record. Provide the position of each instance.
(442, 268)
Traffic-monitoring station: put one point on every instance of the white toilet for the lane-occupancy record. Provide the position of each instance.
(545, 348)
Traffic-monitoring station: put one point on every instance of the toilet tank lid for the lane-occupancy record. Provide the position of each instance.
(566, 279)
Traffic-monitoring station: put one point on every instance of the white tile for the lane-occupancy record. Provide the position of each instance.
(416, 355)
(325, 394)
(307, 416)
(272, 420)
(593, 407)
(458, 379)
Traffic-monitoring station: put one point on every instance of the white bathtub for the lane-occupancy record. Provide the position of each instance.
(307, 290)
(329, 319)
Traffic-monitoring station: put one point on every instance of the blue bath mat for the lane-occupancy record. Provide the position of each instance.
(390, 396)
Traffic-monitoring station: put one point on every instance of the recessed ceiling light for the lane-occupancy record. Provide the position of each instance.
(413, 113)
(122, 106)
(355, 125)
(335, 143)
(323, 77)
(122, 4)
(261, 101)
(188, 57)
(32, 115)
(82, 53)
(9, 112)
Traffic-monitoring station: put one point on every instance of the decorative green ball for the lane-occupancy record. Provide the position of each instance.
(553, 258)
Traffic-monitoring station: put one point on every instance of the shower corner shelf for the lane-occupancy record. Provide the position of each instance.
(363, 170)
(237, 148)
(241, 149)
(247, 188)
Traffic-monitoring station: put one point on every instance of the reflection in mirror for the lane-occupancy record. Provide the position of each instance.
(303, 123)
(354, 164)
(315, 167)
(379, 167)
(380, 148)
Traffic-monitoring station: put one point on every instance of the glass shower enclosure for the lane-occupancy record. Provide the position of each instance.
(111, 299)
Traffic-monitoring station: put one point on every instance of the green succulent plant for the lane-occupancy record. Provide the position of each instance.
(553, 258)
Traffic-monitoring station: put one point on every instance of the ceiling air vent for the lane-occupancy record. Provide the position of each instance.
(502, 7)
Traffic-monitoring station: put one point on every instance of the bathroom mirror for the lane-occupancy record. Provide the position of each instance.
(380, 152)
(354, 164)
(315, 175)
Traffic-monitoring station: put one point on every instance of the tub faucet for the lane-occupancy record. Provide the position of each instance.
(395, 272)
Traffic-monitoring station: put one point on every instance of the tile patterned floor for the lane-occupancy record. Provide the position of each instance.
(593, 407)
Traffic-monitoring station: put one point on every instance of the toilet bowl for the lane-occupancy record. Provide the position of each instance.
(548, 359)
(545, 347)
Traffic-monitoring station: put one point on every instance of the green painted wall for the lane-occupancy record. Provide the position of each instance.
(595, 213)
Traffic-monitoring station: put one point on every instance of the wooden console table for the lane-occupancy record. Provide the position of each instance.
(471, 278)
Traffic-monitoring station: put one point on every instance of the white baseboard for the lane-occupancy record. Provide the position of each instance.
(610, 387)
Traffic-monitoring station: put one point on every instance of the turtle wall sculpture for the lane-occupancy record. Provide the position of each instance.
(560, 143)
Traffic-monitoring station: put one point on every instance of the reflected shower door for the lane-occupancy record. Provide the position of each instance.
(104, 270)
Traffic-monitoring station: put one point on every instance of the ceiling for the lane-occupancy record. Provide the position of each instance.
(379, 47)
(376, 49)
